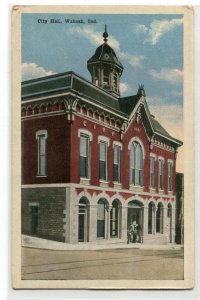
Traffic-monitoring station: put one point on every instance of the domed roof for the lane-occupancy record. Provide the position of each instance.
(105, 53)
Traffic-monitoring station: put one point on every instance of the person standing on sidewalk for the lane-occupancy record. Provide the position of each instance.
(134, 231)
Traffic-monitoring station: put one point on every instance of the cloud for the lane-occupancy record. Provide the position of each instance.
(32, 70)
(141, 28)
(136, 61)
(157, 29)
(95, 38)
(124, 87)
(173, 76)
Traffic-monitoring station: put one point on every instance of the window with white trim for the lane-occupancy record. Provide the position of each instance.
(103, 161)
(152, 172)
(116, 165)
(170, 176)
(160, 171)
(84, 156)
(136, 164)
(41, 136)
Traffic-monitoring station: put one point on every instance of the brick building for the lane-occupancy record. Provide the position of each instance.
(179, 208)
(92, 161)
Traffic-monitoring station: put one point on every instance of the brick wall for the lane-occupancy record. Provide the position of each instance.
(57, 149)
(51, 203)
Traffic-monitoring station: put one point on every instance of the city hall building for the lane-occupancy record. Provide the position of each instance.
(93, 162)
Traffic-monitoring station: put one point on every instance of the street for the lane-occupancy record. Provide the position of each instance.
(113, 264)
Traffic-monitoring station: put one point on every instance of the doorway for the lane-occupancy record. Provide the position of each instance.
(34, 220)
(135, 214)
(83, 220)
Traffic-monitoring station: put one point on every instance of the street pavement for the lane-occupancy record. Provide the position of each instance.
(103, 264)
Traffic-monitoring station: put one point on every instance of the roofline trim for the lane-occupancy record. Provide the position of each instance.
(79, 97)
(169, 138)
(101, 106)
(135, 109)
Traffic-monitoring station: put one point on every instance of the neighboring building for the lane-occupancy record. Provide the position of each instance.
(92, 161)
(179, 208)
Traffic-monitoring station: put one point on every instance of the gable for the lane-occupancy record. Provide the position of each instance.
(140, 112)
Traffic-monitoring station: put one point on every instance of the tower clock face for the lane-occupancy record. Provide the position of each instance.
(106, 56)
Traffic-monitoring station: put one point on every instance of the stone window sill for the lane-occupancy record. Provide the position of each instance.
(85, 181)
(103, 183)
(117, 185)
(136, 188)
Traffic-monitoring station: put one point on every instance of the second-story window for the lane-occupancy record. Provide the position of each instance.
(136, 164)
(116, 166)
(160, 168)
(42, 155)
(152, 172)
(103, 161)
(41, 137)
(169, 176)
(84, 156)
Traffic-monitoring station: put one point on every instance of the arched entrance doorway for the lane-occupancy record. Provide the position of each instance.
(83, 221)
(101, 218)
(115, 219)
(135, 214)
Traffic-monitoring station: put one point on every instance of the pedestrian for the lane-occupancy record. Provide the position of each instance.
(134, 231)
(129, 234)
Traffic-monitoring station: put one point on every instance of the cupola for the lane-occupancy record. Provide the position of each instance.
(105, 68)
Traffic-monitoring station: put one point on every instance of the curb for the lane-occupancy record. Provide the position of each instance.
(39, 243)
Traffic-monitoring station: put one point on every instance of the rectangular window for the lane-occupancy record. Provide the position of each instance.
(103, 161)
(160, 174)
(169, 176)
(84, 155)
(152, 172)
(116, 166)
(42, 155)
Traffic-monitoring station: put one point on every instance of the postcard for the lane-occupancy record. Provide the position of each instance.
(103, 147)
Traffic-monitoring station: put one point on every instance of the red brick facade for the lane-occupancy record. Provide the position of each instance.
(63, 151)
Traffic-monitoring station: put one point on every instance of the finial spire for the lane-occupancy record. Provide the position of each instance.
(105, 34)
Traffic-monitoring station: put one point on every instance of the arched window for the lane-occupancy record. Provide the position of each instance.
(159, 218)
(114, 219)
(101, 218)
(151, 218)
(136, 164)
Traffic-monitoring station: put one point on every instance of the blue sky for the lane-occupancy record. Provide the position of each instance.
(150, 47)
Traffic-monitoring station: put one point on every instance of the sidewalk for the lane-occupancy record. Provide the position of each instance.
(34, 242)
